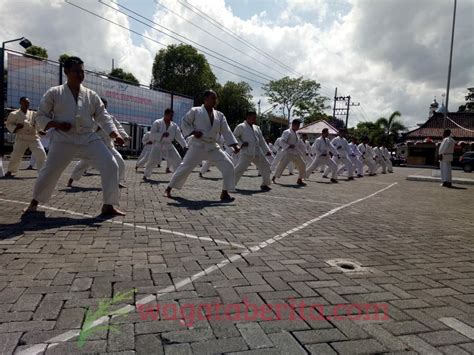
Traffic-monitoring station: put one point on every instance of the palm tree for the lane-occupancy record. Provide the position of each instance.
(391, 126)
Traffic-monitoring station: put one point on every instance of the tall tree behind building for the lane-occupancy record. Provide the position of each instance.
(297, 96)
(181, 69)
(235, 99)
(37, 51)
(119, 73)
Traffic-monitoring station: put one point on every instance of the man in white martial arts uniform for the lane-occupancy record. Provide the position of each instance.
(278, 151)
(205, 124)
(446, 152)
(321, 149)
(379, 159)
(145, 153)
(163, 132)
(23, 123)
(44, 140)
(272, 151)
(367, 156)
(343, 152)
(293, 151)
(253, 150)
(71, 109)
(84, 164)
(307, 149)
(356, 157)
(387, 157)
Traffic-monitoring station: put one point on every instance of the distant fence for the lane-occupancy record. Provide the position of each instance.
(134, 106)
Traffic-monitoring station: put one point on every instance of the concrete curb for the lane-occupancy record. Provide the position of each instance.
(438, 180)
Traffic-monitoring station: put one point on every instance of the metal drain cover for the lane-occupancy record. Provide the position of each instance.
(346, 265)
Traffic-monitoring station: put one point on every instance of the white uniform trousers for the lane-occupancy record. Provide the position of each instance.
(144, 155)
(286, 159)
(194, 156)
(370, 165)
(380, 163)
(346, 164)
(83, 165)
(19, 149)
(276, 160)
(357, 164)
(446, 174)
(61, 154)
(321, 161)
(259, 160)
(205, 167)
(389, 165)
(172, 157)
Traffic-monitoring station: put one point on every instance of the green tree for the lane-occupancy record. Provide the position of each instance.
(119, 73)
(372, 130)
(295, 95)
(37, 51)
(235, 100)
(181, 69)
(391, 125)
(62, 58)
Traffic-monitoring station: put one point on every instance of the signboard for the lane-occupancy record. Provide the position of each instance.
(29, 77)
(128, 103)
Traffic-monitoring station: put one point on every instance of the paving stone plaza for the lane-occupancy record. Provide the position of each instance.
(376, 265)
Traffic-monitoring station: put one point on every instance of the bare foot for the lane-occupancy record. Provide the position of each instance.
(122, 186)
(168, 192)
(69, 183)
(109, 210)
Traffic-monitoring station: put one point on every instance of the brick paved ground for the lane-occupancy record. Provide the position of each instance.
(415, 259)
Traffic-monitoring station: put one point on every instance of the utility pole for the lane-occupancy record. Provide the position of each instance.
(449, 67)
(113, 64)
(343, 110)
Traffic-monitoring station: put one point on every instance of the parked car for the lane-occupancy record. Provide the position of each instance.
(467, 161)
(398, 161)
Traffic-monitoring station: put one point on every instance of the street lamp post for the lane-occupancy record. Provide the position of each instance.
(25, 43)
(449, 68)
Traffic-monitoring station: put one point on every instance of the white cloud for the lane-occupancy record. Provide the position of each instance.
(61, 28)
(387, 54)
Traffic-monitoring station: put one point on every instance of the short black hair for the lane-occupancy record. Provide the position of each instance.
(250, 113)
(104, 101)
(447, 132)
(296, 121)
(69, 62)
(325, 130)
(23, 98)
(208, 93)
(168, 111)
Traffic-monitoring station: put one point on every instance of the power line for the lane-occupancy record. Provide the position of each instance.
(234, 35)
(238, 65)
(216, 37)
(154, 40)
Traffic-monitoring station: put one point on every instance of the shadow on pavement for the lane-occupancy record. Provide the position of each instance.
(37, 221)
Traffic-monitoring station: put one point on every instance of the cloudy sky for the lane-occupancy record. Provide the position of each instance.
(387, 54)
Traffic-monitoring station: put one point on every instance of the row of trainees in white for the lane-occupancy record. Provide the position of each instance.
(289, 150)
(80, 127)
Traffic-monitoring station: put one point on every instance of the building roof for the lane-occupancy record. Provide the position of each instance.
(317, 127)
(433, 128)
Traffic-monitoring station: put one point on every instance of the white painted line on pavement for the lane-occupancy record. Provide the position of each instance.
(458, 326)
(132, 225)
(51, 343)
